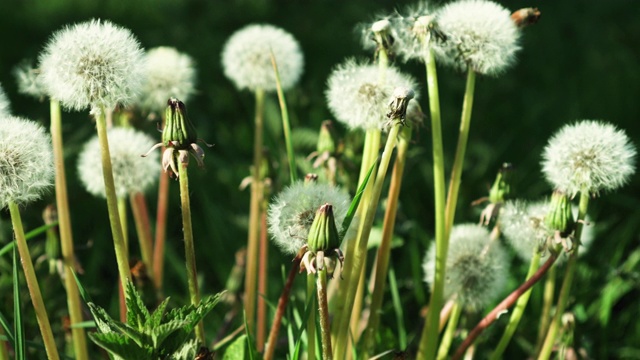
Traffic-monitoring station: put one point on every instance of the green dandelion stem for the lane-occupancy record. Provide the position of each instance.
(141, 220)
(323, 308)
(311, 321)
(547, 304)
(447, 337)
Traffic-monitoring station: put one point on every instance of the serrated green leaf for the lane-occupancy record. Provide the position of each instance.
(162, 332)
(137, 313)
(138, 337)
(156, 317)
(237, 349)
(122, 346)
(104, 322)
(188, 351)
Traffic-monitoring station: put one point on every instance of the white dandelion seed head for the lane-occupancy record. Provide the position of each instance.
(5, 105)
(29, 80)
(588, 156)
(476, 267)
(479, 35)
(167, 74)
(291, 213)
(359, 98)
(132, 173)
(92, 64)
(413, 31)
(26, 161)
(246, 58)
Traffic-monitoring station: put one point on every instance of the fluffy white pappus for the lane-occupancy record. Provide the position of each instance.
(167, 74)
(291, 213)
(476, 267)
(588, 156)
(522, 224)
(479, 35)
(414, 31)
(5, 105)
(246, 58)
(29, 80)
(92, 64)
(383, 25)
(132, 173)
(26, 161)
(358, 95)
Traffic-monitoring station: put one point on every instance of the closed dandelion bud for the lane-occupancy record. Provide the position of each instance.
(478, 35)
(476, 267)
(178, 130)
(326, 142)
(560, 217)
(26, 161)
(323, 234)
(293, 211)
(501, 187)
(588, 156)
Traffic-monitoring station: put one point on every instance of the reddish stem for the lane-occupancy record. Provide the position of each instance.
(262, 284)
(161, 229)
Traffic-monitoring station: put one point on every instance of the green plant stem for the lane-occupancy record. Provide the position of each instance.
(447, 337)
(4, 353)
(384, 251)
(323, 308)
(189, 247)
(563, 298)
(262, 279)
(311, 321)
(32, 283)
(161, 229)
(122, 214)
(429, 337)
(66, 237)
(250, 282)
(286, 127)
(518, 310)
(359, 255)
(112, 201)
(547, 304)
(141, 220)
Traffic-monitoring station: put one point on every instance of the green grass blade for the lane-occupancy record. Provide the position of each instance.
(397, 307)
(286, 126)
(18, 330)
(30, 235)
(355, 202)
(83, 293)
(7, 330)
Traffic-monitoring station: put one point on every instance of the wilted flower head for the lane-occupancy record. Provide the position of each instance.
(380, 34)
(29, 80)
(5, 106)
(26, 161)
(167, 74)
(92, 64)
(292, 212)
(131, 172)
(246, 58)
(588, 156)
(358, 95)
(477, 34)
(476, 268)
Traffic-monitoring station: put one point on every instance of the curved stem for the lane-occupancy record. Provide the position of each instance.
(452, 325)
(189, 248)
(254, 217)
(563, 298)
(112, 201)
(516, 315)
(32, 283)
(429, 337)
(66, 238)
(323, 307)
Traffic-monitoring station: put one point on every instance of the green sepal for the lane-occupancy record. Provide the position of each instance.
(560, 216)
(178, 130)
(501, 188)
(323, 234)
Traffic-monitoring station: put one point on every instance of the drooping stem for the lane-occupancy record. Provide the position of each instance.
(161, 229)
(66, 238)
(563, 297)
(189, 247)
(311, 321)
(323, 308)
(112, 201)
(32, 283)
(363, 236)
(452, 325)
(429, 337)
(500, 308)
(282, 305)
(141, 219)
(516, 315)
(254, 217)
(384, 251)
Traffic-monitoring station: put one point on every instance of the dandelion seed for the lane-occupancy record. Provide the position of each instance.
(29, 80)
(246, 58)
(167, 74)
(588, 156)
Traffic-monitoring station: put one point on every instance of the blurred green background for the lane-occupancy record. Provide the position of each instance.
(581, 61)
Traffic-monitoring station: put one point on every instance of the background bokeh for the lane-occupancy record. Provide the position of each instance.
(581, 61)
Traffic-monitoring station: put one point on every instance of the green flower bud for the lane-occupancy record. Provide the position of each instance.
(323, 234)
(560, 217)
(178, 131)
(501, 186)
(326, 142)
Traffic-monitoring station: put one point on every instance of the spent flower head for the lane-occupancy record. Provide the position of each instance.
(131, 173)
(358, 94)
(29, 80)
(476, 267)
(167, 74)
(478, 35)
(92, 64)
(292, 212)
(415, 31)
(26, 161)
(588, 156)
(246, 58)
